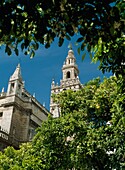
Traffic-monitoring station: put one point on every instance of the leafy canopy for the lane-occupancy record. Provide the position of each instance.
(88, 135)
(99, 24)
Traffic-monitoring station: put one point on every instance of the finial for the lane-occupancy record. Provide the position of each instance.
(34, 95)
(53, 82)
(23, 84)
(44, 104)
(70, 46)
(3, 90)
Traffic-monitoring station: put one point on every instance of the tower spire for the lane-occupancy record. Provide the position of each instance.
(17, 74)
(70, 80)
(15, 84)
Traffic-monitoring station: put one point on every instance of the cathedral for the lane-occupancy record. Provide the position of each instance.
(20, 113)
(70, 80)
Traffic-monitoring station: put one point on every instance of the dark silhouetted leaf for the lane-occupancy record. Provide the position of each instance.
(61, 40)
(8, 50)
(80, 39)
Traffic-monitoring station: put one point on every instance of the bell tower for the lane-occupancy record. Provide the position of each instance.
(70, 72)
(70, 69)
(70, 80)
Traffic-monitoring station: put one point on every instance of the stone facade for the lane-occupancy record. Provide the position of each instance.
(20, 113)
(70, 80)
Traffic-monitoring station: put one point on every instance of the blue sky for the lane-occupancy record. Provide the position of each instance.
(46, 65)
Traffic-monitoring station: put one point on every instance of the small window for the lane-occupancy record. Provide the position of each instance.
(19, 86)
(1, 114)
(12, 87)
(68, 74)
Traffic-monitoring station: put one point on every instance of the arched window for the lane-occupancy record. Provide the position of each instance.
(68, 74)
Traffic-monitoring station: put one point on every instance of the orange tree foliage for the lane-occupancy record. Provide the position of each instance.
(89, 135)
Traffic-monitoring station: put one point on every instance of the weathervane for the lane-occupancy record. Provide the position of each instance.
(70, 46)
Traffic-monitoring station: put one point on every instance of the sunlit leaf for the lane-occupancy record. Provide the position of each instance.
(83, 56)
(79, 50)
(32, 54)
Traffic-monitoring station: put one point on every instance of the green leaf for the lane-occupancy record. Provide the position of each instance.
(91, 55)
(32, 54)
(83, 56)
(80, 39)
(68, 37)
(79, 50)
(47, 45)
(112, 31)
(25, 52)
(22, 46)
(26, 42)
(16, 51)
(61, 40)
(8, 50)
(35, 46)
(83, 46)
